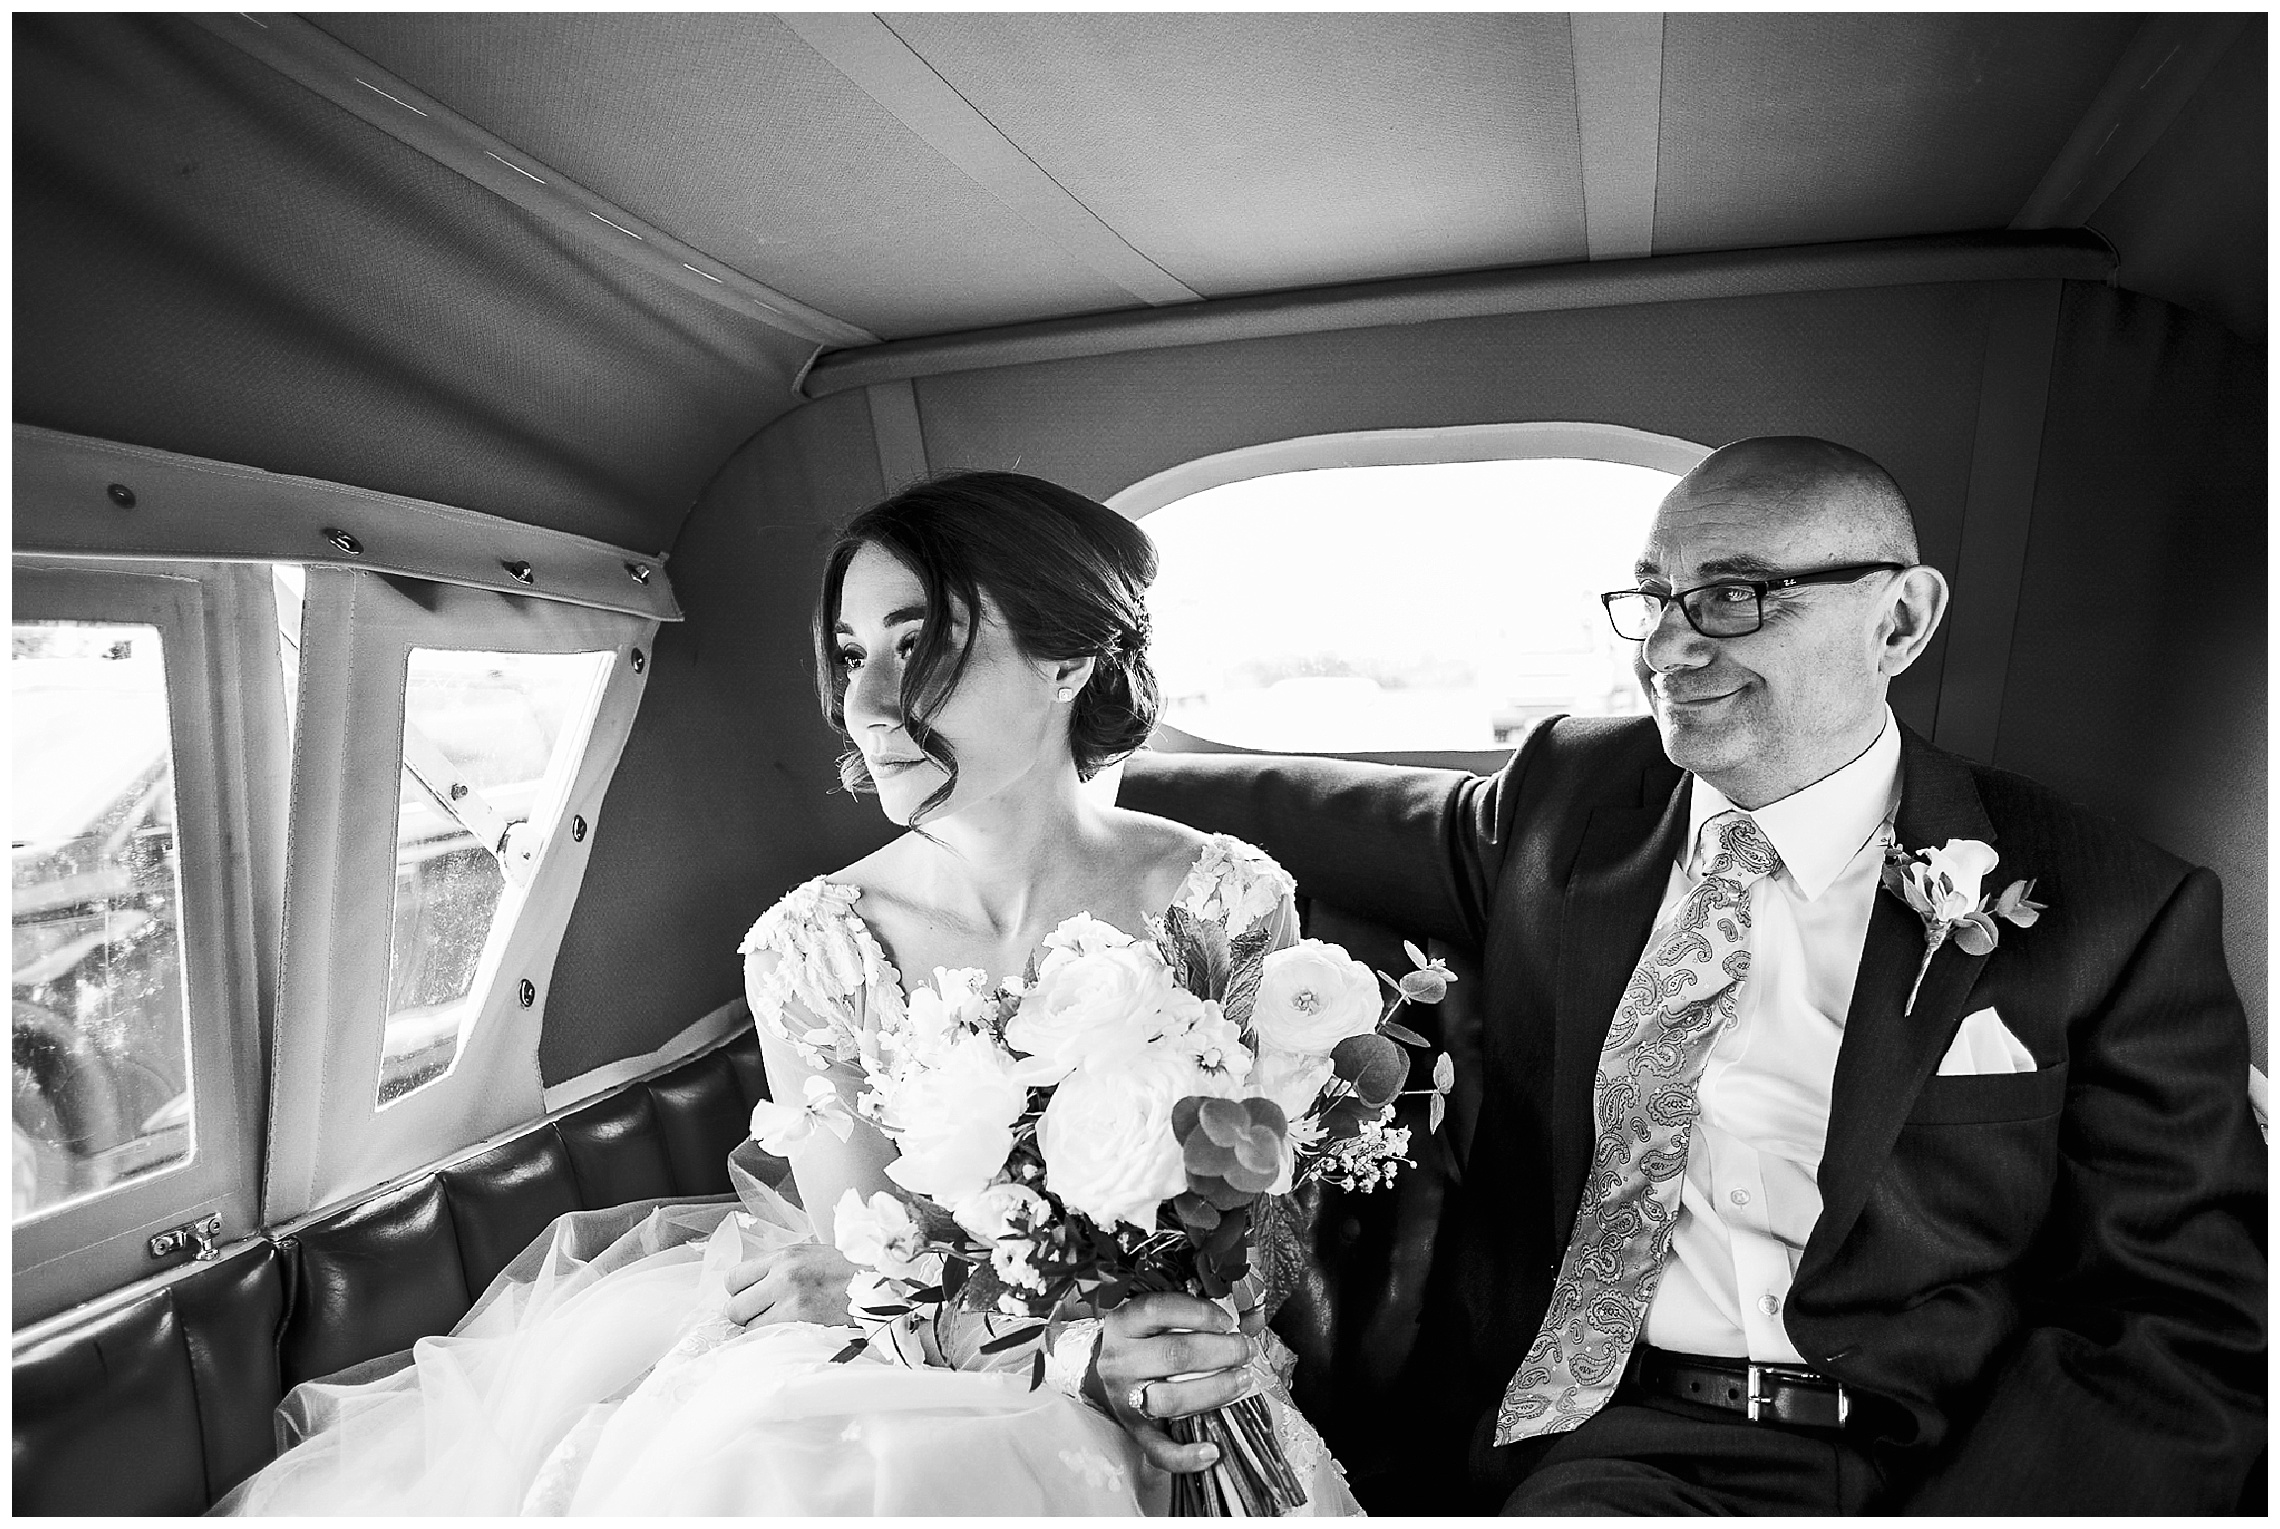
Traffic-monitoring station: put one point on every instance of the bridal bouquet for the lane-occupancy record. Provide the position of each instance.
(1109, 1125)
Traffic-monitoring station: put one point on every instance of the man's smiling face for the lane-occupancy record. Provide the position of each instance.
(1763, 715)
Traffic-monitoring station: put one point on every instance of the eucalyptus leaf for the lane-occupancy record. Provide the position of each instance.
(1403, 1034)
(851, 1351)
(1435, 1107)
(1444, 1072)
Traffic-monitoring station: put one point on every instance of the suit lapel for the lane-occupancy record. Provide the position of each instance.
(1615, 884)
(1886, 1054)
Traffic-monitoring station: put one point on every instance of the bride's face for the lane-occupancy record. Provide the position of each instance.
(1002, 722)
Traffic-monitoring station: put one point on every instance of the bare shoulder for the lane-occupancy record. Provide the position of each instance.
(1155, 852)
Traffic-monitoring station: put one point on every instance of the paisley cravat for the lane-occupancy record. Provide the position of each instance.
(1680, 997)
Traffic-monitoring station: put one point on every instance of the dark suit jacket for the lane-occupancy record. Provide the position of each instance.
(2051, 1283)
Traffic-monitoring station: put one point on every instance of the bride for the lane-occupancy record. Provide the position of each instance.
(982, 647)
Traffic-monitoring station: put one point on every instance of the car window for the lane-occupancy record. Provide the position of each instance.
(100, 1055)
(1425, 606)
(490, 743)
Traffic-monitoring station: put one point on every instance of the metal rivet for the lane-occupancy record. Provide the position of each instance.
(522, 572)
(640, 661)
(458, 789)
(640, 572)
(577, 830)
(343, 542)
(121, 495)
(528, 993)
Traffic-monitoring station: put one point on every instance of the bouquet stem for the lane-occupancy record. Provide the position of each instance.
(1251, 1479)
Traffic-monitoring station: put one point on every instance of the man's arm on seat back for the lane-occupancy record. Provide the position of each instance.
(1416, 850)
(2140, 1386)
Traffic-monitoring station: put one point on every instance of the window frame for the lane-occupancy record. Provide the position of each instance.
(225, 725)
(330, 1140)
(1505, 441)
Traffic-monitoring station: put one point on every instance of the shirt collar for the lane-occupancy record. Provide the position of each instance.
(1819, 829)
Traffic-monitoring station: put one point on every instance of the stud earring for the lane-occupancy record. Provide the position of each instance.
(1063, 694)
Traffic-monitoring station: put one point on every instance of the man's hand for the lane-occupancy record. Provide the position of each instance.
(1148, 1340)
(806, 1282)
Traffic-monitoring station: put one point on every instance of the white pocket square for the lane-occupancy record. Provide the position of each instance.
(1985, 1045)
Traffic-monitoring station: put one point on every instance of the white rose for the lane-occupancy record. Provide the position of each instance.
(1963, 862)
(1102, 1003)
(1106, 1136)
(1079, 935)
(883, 1236)
(1313, 995)
(953, 1122)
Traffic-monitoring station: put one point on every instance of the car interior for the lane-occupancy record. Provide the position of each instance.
(429, 429)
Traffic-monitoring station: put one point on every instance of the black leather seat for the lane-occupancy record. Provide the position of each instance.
(161, 1402)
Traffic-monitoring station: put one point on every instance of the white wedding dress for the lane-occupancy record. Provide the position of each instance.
(598, 1373)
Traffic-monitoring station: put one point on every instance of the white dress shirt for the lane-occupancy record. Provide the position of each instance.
(1750, 1197)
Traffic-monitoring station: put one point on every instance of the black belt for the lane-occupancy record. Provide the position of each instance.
(1764, 1393)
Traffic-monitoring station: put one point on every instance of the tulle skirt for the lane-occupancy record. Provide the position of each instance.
(598, 1374)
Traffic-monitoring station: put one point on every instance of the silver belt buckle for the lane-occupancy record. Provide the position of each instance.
(1757, 1399)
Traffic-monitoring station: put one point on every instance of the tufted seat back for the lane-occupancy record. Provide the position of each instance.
(160, 1401)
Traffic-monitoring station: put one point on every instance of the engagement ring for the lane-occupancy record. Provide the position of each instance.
(1136, 1399)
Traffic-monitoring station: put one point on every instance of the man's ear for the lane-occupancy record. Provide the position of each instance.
(1918, 601)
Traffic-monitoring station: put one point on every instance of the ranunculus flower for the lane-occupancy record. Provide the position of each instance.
(1106, 1135)
(1105, 1002)
(1311, 997)
(953, 1121)
(884, 1236)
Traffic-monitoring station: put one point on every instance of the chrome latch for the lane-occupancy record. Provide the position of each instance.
(199, 1236)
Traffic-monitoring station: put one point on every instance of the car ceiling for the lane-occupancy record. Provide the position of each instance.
(220, 256)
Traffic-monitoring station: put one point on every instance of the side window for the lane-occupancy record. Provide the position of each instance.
(453, 749)
(147, 717)
(102, 1077)
(491, 742)
(1411, 607)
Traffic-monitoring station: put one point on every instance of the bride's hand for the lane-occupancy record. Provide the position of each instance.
(1153, 1337)
(806, 1282)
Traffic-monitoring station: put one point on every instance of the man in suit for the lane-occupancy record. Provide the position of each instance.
(1765, 1211)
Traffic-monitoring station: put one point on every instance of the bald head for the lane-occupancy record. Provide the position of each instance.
(1804, 477)
(1815, 541)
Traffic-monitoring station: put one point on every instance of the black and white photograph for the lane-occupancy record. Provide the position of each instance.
(1184, 762)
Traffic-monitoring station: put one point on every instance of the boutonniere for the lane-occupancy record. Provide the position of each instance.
(1942, 885)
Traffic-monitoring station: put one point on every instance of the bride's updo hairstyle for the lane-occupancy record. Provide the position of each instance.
(1068, 576)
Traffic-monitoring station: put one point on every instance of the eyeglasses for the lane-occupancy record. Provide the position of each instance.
(1728, 608)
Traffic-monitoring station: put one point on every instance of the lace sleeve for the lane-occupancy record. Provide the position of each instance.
(816, 978)
(1240, 886)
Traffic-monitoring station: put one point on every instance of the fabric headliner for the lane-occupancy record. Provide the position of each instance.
(2192, 217)
(210, 259)
(735, 135)
(1798, 129)
(1246, 152)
